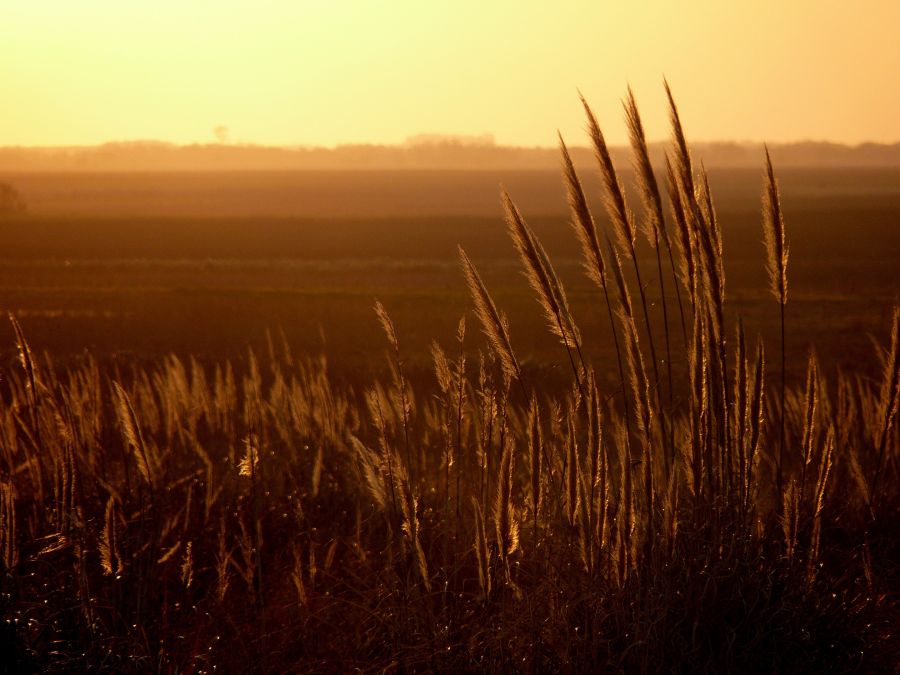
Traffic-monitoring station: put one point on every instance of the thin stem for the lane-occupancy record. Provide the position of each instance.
(780, 481)
(662, 289)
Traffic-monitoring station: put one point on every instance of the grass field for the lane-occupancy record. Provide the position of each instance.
(187, 486)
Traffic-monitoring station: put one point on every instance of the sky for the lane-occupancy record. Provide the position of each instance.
(328, 72)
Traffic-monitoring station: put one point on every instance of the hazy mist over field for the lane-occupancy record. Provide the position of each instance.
(108, 262)
(428, 152)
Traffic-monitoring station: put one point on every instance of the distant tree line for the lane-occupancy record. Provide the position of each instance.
(427, 151)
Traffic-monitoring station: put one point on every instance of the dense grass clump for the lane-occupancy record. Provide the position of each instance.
(191, 518)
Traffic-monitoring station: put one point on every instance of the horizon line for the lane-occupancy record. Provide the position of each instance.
(419, 141)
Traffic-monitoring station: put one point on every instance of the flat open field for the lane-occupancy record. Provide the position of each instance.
(142, 264)
(292, 519)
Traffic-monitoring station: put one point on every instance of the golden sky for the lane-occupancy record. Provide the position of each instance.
(323, 72)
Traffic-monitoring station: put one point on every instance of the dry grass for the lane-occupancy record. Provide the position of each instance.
(183, 518)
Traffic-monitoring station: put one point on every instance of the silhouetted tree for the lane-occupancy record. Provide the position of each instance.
(12, 203)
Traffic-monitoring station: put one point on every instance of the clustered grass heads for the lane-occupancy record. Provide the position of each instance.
(701, 260)
(401, 387)
(546, 285)
(643, 415)
(685, 239)
(698, 265)
(683, 162)
(594, 263)
(700, 244)
(655, 232)
(634, 358)
(620, 214)
(494, 324)
(642, 399)
(388, 464)
(712, 245)
(711, 275)
(402, 488)
(614, 194)
(409, 507)
(582, 221)
(594, 482)
(624, 230)
(654, 221)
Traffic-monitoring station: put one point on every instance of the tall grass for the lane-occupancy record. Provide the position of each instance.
(776, 265)
(233, 517)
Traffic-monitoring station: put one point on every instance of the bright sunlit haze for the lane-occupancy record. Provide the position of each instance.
(326, 73)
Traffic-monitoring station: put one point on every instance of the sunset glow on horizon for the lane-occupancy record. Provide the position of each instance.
(316, 73)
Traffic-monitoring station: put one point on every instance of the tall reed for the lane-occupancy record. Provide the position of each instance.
(776, 264)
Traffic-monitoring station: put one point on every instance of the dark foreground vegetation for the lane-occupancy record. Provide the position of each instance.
(187, 517)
